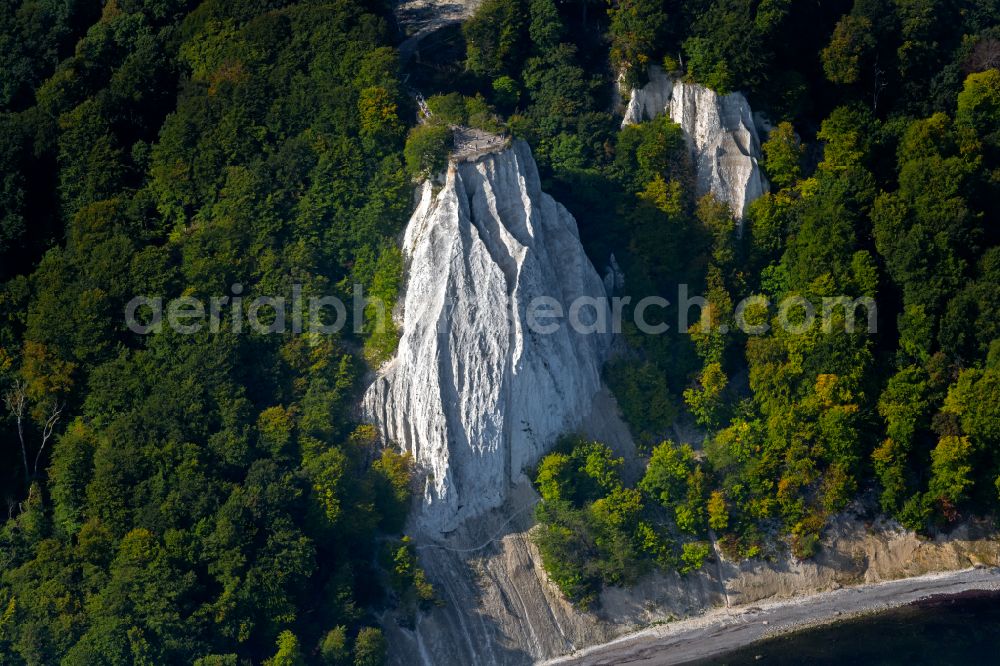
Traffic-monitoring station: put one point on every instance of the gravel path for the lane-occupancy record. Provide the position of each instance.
(723, 630)
(421, 18)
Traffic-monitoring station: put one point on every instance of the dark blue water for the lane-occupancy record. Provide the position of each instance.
(937, 632)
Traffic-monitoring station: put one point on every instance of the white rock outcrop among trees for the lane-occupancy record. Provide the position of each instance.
(474, 393)
(720, 131)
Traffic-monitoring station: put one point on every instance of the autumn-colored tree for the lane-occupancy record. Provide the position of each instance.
(850, 44)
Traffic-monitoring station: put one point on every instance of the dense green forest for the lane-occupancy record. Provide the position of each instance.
(195, 498)
(210, 499)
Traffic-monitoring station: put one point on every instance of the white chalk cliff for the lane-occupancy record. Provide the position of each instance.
(720, 131)
(474, 393)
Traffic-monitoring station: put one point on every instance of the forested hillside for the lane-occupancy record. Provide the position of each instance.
(883, 165)
(174, 498)
(210, 498)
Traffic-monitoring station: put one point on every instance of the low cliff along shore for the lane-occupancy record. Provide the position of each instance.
(726, 629)
(499, 607)
(477, 398)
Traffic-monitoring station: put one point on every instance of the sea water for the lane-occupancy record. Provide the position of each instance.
(963, 629)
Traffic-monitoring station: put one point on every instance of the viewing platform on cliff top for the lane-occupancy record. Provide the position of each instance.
(472, 143)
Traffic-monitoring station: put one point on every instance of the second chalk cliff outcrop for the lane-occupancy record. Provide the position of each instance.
(720, 131)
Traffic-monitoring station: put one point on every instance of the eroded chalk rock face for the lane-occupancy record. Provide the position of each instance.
(475, 393)
(720, 131)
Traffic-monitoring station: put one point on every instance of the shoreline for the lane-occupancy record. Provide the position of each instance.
(722, 630)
